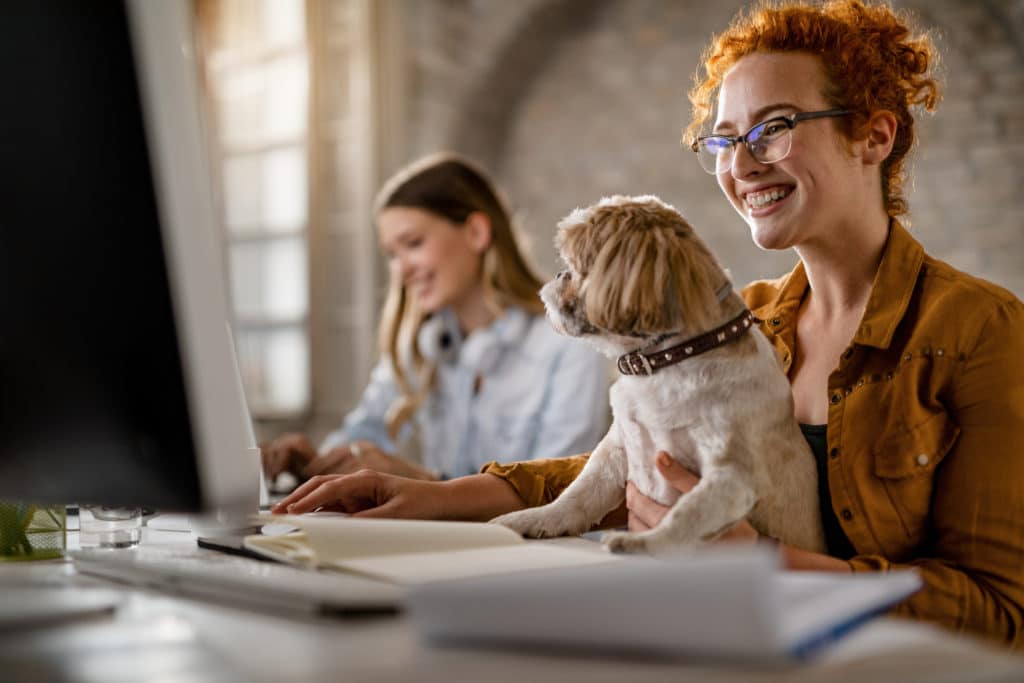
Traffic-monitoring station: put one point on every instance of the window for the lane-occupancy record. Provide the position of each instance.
(257, 73)
(299, 96)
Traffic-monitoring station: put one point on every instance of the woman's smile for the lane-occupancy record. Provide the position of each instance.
(763, 201)
(420, 285)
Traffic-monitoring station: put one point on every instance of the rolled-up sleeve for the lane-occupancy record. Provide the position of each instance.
(538, 482)
(974, 574)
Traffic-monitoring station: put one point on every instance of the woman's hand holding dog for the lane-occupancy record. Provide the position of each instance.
(645, 513)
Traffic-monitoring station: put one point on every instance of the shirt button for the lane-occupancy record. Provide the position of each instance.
(847, 514)
(922, 459)
(940, 352)
(834, 453)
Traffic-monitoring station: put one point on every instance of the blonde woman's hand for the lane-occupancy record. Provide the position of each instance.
(363, 455)
(287, 453)
(645, 513)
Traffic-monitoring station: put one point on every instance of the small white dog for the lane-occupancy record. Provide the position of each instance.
(700, 381)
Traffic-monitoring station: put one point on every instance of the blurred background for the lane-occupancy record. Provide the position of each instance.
(312, 103)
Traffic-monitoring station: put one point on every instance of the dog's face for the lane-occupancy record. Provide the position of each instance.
(635, 269)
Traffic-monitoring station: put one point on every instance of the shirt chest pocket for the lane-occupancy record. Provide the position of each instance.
(905, 463)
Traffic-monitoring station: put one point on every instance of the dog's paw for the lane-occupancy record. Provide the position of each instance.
(533, 523)
(624, 542)
(656, 542)
(542, 523)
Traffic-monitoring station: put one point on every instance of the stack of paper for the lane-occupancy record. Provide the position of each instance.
(733, 605)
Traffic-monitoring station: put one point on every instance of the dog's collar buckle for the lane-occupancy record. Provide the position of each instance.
(635, 363)
(646, 364)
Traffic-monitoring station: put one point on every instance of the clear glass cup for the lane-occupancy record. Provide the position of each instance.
(107, 527)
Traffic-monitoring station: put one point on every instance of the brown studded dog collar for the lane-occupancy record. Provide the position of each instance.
(639, 363)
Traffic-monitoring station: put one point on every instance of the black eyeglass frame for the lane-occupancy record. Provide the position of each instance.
(791, 120)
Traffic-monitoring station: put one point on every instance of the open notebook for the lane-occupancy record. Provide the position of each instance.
(415, 551)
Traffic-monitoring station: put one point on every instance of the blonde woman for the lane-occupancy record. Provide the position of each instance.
(469, 366)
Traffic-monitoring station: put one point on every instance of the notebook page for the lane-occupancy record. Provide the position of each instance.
(416, 568)
(331, 539)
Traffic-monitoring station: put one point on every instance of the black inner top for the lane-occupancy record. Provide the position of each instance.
(835, 538)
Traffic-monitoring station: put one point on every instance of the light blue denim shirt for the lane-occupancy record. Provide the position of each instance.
(540, 395)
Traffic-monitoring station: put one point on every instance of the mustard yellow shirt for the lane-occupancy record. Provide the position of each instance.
(925, 435)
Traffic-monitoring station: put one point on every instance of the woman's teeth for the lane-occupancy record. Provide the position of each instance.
(760, 199)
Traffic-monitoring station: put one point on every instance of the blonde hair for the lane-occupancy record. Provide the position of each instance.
(453, 188)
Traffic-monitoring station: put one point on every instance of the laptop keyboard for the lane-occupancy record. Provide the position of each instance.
(210, 575)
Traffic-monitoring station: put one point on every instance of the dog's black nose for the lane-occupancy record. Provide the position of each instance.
(562, 275)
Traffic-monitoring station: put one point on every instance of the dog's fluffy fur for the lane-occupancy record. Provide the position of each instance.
(635, 271)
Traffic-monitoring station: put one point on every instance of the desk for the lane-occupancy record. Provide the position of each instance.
(156, 637)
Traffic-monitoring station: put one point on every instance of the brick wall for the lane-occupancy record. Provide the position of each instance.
(567, 100)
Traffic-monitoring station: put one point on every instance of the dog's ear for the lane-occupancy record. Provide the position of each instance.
(579, 239)
(694, 283)
(651, 274)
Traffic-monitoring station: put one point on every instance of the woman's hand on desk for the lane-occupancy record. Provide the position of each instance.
(287, 453)
(477, 497)
(363, 455)
(296, 454)
(367, 493)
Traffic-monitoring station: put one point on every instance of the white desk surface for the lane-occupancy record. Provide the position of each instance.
(155, 637)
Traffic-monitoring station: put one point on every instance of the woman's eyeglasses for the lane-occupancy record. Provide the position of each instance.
(767, 142)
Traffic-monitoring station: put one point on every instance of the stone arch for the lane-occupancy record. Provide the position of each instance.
(480, 128)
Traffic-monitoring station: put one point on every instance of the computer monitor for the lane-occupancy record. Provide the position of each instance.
(117, 379)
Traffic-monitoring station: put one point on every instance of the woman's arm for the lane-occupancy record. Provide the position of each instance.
(363, 442)
(538, 482)
(367, 493)
(973, 568)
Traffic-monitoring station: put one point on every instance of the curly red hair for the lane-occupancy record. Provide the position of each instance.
(872, 59)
